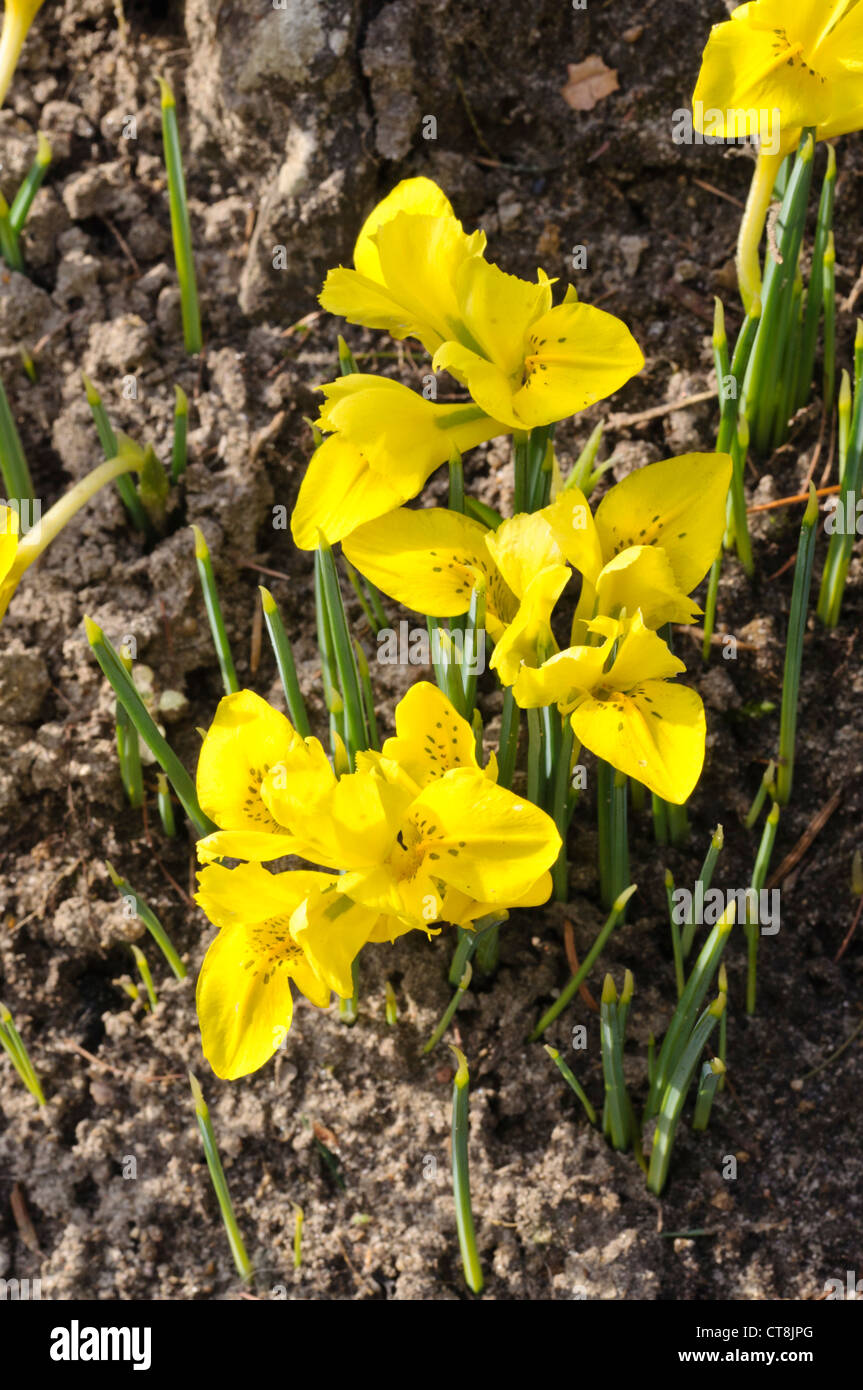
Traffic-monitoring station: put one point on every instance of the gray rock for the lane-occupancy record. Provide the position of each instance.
(102, 192)
(24, 683)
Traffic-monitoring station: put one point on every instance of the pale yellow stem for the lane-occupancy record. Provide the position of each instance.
(752, 226)
(52, 523)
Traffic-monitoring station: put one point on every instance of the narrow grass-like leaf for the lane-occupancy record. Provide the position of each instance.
(617, 1110)
(702, 884)
(124, 688)
(220, 1183)
(214, 613)
(108, 439)
(181, 431)
(180, 227)
(448, 1013)
(165, 805)
(10, 249)
(356, 736)
(461, 1176)
(676, 944)
(695, 990)
(578, 979)
(571, 1081)
(13, 1044)
(32, 182)
(674, 1095)
(144, 972)
(794, 649)
(16, 475)
(285, 663)
(150, 920)
(759, 877)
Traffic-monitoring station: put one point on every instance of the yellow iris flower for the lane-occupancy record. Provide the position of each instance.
(18, 15)
(274, 929)
(802, 58)
(525, 362)
(418, 274)
(432, 559)
(384, 443)
(653, 538)
(419, 835)
(795, 63)
(623, 705)
(406, 261)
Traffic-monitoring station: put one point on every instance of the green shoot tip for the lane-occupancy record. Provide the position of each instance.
(623, 898)
(181, 401)
(197, 1094)
(167, 94)
(811, 513)
(461, 1077)
(112, 874)
(268, 603)
(93, 631)
(609, 993)
(202, 550)
(93, 397)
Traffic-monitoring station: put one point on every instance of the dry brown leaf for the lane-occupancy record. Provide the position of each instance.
(588, 83)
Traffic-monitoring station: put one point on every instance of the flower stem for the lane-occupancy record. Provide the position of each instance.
(128, 460)
(752, 226)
